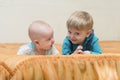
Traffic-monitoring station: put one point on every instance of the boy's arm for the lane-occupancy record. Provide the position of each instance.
(96, 49)
(66, 50)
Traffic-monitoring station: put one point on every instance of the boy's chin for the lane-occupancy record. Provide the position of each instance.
(74, 42)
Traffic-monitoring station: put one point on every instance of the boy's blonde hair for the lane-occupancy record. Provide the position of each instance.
(80, 20)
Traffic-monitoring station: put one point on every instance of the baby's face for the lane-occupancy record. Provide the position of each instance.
(77, 36)
(47, 40)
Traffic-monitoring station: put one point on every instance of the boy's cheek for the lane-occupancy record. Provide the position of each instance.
(68, 36)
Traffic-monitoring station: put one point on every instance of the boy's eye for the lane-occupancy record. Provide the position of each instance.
(69, 32)
(77, 33)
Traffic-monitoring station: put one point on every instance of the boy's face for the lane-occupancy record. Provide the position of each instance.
(77, 36)
(46, 41)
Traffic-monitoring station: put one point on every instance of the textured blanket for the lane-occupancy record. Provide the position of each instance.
(75, 67)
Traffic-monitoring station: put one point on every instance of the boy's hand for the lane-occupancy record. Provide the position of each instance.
(78, 50)
(86, 52)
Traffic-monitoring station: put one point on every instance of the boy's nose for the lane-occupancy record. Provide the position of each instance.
(72, 36)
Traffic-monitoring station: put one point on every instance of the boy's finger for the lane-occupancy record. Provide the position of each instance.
(79, 47)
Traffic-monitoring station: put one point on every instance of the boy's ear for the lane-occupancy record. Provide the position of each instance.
(89, 32)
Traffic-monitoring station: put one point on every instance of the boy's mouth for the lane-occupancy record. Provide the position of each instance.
(73, 40)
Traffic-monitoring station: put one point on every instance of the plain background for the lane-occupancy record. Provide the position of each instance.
(16, 15)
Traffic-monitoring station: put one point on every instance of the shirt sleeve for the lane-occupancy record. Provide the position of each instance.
(96, 48)
(55, 51)
(25, 49)
(66, 49)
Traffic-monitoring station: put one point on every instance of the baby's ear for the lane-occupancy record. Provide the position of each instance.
(89, 32)
(36, 42)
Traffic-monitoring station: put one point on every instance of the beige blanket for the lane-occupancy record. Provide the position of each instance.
(76, 67)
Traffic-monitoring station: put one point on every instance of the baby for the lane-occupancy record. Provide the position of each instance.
(42, 40)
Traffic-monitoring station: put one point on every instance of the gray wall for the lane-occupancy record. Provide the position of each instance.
(16, 15)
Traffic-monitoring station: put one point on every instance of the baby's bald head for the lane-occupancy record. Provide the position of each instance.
(38, 28)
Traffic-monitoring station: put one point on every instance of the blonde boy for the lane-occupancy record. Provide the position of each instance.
(42, 40)
(80, 38)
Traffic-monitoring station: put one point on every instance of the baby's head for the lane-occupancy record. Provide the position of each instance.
(79, 26)
(41, 34)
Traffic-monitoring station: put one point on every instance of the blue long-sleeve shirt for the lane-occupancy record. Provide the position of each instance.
(91, 44)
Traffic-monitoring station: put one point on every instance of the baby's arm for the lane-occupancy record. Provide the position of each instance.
(55, 51)
(23, 50)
